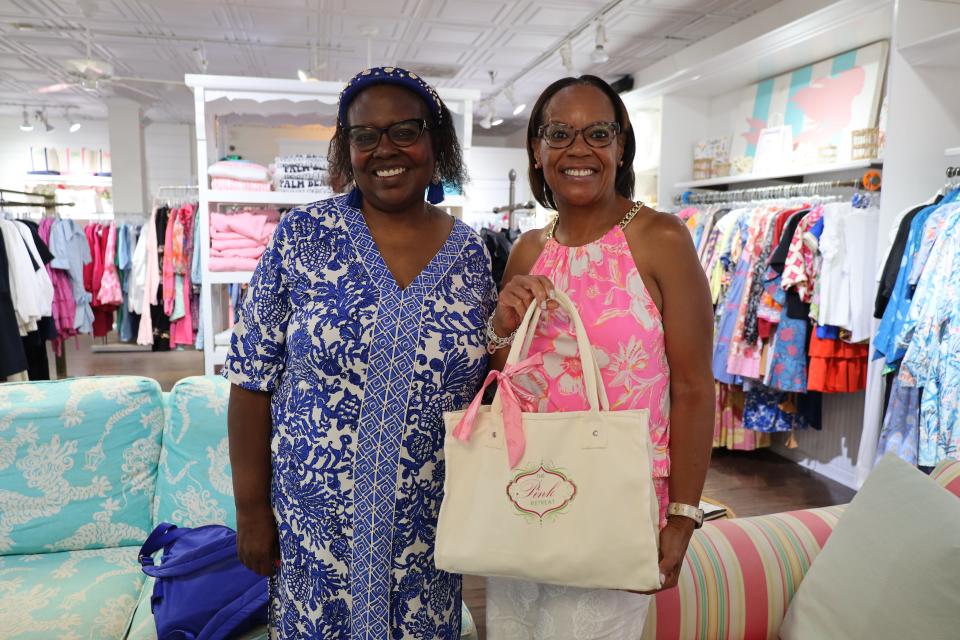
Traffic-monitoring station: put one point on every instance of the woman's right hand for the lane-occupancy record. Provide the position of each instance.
(257, 543)
(516, 298)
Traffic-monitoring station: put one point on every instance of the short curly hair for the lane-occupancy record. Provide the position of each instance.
(448, 156)
(625, 179)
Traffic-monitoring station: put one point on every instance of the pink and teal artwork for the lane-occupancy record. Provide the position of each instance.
(822, 102)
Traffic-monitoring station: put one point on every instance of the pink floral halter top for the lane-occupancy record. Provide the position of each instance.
(625, 330)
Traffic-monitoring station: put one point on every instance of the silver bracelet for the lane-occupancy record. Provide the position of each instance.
(495, 342)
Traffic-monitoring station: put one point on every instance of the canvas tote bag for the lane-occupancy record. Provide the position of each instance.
(558, 498)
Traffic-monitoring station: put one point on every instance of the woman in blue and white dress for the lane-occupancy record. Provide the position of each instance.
(365, 321)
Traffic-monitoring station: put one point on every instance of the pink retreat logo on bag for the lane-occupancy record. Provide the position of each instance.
(541, 492)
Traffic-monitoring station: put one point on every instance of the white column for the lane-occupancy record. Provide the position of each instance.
(127, 156)
(683, 123)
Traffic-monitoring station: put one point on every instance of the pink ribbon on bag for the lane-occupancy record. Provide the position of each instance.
(512, 414)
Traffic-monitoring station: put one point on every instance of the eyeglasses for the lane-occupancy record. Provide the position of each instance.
(401, 134)
(560, 136)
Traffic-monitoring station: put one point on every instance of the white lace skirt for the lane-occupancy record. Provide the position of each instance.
(520, 610)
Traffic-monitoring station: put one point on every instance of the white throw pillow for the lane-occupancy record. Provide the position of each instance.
(891, 568)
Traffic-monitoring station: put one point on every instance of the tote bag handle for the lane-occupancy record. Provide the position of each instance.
(596, 392)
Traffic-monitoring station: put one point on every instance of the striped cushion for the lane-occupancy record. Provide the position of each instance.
(740, 575)
(947, 475)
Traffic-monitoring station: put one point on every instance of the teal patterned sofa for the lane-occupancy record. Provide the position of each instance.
(87, 468)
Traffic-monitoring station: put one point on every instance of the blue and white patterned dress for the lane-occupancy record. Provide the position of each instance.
(360, 373)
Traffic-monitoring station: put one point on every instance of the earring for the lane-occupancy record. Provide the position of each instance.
(620, 164)
(536, 165)
(435, 191)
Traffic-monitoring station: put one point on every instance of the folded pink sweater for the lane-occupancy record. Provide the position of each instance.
(251, 252)
(232, 264)
(229, 184)
(249, 225)
(218, 244)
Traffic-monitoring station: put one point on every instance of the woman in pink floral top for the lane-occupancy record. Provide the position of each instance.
(637, 282)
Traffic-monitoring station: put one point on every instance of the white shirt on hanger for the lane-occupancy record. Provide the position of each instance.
(861, 261)
(138, 275)
(834, 276)
(44, 284)
(23, 293)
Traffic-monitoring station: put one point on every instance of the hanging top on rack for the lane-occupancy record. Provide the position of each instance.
(871, 181)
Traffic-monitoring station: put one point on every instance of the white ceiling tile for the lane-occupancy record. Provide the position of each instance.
(148, 38)
(460, 36)
(471, 11)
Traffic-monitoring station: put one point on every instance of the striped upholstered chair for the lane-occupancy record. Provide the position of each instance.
(740, 575)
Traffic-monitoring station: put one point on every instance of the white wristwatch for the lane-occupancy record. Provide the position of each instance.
(687, 511)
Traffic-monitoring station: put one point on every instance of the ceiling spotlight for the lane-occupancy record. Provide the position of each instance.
(496, 122)
(487, 121)
(312, 74)
(599, 55)
(517, 107)
(72, 123)
(26, 125)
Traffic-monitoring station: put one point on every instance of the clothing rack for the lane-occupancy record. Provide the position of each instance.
(177, 194)
(809, 189)
(49, 203)
(513, 205)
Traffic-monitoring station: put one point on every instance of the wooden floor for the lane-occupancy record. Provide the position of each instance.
(754, 483)
(166, 367)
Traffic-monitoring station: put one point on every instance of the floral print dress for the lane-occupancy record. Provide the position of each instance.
(360, 372)
(626, 333)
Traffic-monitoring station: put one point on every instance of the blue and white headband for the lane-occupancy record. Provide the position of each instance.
(389, 75)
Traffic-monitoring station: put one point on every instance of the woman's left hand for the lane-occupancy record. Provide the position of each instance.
(674, 539)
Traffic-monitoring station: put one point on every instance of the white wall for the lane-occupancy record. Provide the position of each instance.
(171, 156)
(15, 144)
(489, 183)
(170, 150)
(262, 144)
(682, 125)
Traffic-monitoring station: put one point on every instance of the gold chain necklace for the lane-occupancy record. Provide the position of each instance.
(634, 210)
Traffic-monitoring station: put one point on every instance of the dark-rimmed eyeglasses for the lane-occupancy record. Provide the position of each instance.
(401, 134)
(559, 135)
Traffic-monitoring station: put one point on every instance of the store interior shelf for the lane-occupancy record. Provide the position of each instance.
(73, 180)
(264, 197)
(953, 152)
(780, 176)
(229, 277)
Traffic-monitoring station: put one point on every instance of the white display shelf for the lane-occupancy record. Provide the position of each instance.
(953, 152)
(72, 180)
(266, 96)
(780, 175)
(229, 277)
(264, 197)
(219, 356)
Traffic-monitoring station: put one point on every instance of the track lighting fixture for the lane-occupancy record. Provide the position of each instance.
(26, 125)
(599, 55)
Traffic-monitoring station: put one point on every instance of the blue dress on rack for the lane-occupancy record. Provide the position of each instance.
(360, 372)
